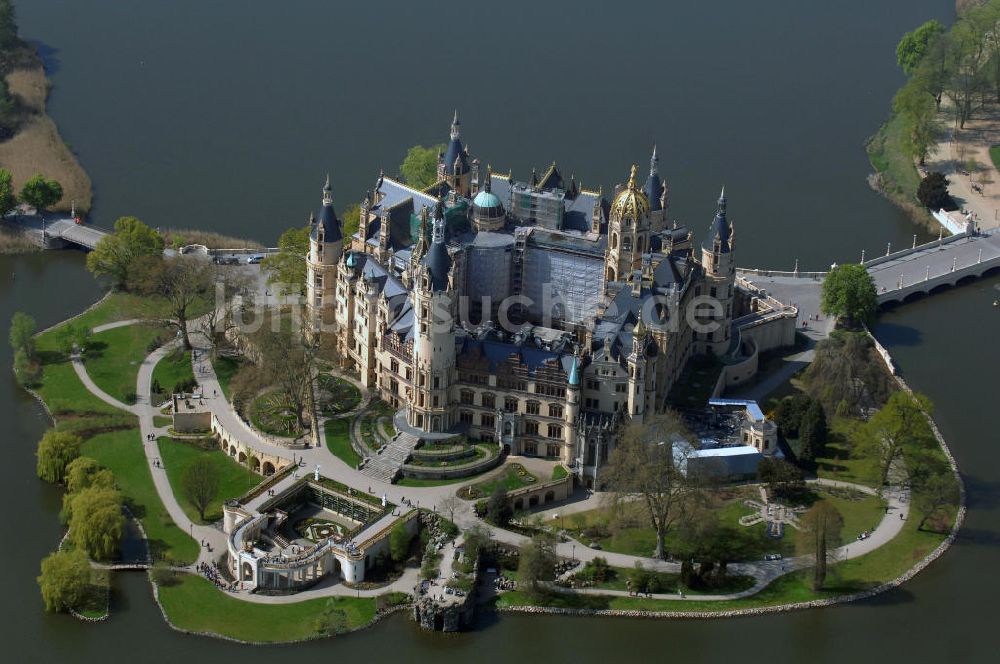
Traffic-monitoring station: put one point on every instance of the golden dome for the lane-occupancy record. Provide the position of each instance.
(630, 203)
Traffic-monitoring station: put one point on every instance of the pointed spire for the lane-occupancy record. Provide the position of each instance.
(454, 127)
(722, 202)
(654, 162)
(437, 233)
(489, 179)
(534, 179)
(327, 192)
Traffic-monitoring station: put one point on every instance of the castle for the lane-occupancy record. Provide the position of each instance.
(537, 315)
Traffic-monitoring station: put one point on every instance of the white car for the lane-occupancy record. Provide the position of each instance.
(772, 556)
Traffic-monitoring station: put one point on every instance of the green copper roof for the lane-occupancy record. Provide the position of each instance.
(485, 199)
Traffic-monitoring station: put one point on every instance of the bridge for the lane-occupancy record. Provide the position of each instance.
(899, 276)
(54, 231)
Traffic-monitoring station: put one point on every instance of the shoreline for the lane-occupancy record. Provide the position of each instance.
(722, 612)
(37, 146)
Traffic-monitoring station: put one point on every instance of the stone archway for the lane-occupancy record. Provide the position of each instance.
(246, 572)
(232, 450)
(242, 458)
(268, 469)
(550, 496)
(255, 464)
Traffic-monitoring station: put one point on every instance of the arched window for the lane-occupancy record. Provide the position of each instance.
(614, 240)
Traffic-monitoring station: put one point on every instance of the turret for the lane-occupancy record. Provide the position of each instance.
(434, 342)
(628, 232)
(453, 164)
(637, 372)
(326, 245)
(655, 190)
(719, 265)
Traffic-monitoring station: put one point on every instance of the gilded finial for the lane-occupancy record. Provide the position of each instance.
(631, 177)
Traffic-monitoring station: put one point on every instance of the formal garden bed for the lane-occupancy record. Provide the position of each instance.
(336, 395)
(512, 476)
(377, 410)
(273, 413)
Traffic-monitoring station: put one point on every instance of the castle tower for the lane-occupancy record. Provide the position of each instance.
(655, 190)
(571, 428)
(719, 265)
(434, 343)
(637, 373)
(487, 210)
(453, 164)
(628, 232)
(326, 244)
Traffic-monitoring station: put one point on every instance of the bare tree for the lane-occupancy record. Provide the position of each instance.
(449, 505)
(181, 281)
(650, 463)
(821, 525)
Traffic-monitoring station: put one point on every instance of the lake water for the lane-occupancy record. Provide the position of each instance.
(226, 115)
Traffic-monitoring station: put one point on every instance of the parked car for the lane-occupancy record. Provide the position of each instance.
(256, 258)
(772, 556)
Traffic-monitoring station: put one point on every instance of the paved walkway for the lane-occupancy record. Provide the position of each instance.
(334, 468)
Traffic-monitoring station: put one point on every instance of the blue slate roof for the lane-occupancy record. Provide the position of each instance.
(720, 228)
(498, 352)
(455, 151)
(438, 264)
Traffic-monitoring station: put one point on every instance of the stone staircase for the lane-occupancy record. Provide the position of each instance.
(386, 464)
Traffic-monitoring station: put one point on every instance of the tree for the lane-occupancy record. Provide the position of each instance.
(55, 452)
(399, 542)
(64, 579)
(114, 254)
(286, 270)
(40, 192)
(8, 201)
(846, 375)
(96, 522)
(897, 427)
(22, 333)
(449, 505)
(26, 371)
(200, 481)
(643, 464)
(288, 360)
(497, 508)
(419, 167)
(917, 108)
(912, 47)
(933, 493)
(74, 336)
(783, 479)
(181, 281)
(352, 220)
(813, 432)
(821, 526)
(849, 293)
(537, 564)
(332, 620)
(83, 473)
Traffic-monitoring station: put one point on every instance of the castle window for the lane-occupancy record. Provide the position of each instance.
(711, 291)
(489, 401)
(530, 449)
(465, 417)
(437, 382)
(467, 396)
(532, 408)
(486, 420)
(394, 366)
(435, 401)
(555, 410)
(552, 450)
(531, 428)
(510, 405)
(554, 431)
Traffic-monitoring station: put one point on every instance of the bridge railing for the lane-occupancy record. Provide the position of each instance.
(912, 250)
(757, 272)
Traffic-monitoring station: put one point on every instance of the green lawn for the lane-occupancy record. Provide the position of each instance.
(173, 369)
(122, 453)
(995, 156)
(338, 439)
(195, 604)
(114, 359)
(234, 479)
(511, 479)
(162, 420)
(418, 482)
(841, 461)
(225, 368)
(559, 472)
(890, 159)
